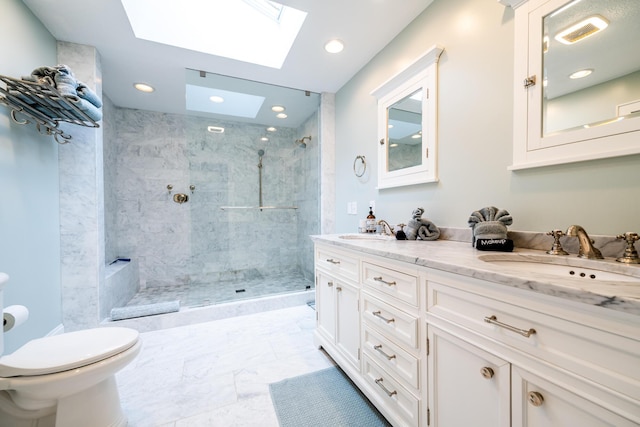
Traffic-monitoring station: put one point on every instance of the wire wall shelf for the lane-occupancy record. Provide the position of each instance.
(42, 105)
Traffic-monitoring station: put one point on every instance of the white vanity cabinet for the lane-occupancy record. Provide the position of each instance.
(431, 347)
(392, 340)
(553, 364)
(338, 305)
(468, 386)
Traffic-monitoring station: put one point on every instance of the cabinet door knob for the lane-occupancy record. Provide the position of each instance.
(487, 372)
(329, 284)
(535, 398)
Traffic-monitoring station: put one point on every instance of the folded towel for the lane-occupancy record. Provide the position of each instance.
(501, 245)
(31, 79)
(87, 107)
(428, 231)
(45, 75)
(421, 228)
(66, 82)
(490, 230)
(21, 97)
(489, 223)
(87, 94)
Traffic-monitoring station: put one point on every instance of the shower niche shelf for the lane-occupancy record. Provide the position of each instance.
(42, 105)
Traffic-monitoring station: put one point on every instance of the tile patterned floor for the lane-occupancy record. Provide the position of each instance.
(198, 295)
(218, 373)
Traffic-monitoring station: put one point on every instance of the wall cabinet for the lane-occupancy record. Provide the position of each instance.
(434, 348)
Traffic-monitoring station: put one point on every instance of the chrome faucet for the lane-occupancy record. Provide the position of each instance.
(384, 223)
(587, 250)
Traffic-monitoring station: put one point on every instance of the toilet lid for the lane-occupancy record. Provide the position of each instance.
(67, 351)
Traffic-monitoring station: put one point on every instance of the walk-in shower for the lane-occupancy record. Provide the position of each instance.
(244, 232)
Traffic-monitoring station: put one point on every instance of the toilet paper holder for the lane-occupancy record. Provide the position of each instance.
(14, 315)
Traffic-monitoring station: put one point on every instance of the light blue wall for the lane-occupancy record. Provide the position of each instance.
(29, 219)
(475, 135)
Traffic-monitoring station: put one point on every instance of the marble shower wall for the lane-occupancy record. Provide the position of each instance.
(307, 196)
(198, 241)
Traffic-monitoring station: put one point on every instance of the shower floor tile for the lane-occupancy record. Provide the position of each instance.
(203, 294)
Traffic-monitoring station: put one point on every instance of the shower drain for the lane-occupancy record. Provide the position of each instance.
(239, 290)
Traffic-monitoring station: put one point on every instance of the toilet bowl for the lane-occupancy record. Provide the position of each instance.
(67, 380)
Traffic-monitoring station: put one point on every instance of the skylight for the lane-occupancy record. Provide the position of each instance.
(235, 104)
(256, 31)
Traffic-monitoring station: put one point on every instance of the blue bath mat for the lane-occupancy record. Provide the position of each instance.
(323, 398)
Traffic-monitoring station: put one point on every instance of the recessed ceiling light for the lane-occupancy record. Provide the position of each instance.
(281, 115)
(215, 129)
(264, 138)
(277, 108)
(334, 46)
(217, 99)
(389, 126)
(142, 87)
(394, 145)
(416, 136)
(271, 129)
(581, 73)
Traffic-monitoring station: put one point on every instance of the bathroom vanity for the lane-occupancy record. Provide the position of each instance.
(440, 334)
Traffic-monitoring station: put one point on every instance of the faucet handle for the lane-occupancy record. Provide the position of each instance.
(630, 255)
(556, 248)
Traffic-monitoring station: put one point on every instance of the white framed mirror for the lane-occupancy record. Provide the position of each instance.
(559, 118)
(407, 120)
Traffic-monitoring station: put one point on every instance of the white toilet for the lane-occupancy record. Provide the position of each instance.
(66, 380)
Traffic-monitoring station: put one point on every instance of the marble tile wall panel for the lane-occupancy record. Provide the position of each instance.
(327, 163)
(122, 281)
(81, 203)
(308, 194)
(110, 188)
(198, 242)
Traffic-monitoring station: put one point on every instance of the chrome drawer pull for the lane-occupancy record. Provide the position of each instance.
(379, 279)
(389, 393)
(523, 332)
(379, 349)
(333, 261)
(377, 314)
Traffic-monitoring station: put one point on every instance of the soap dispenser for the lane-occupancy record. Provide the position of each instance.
(371, 221)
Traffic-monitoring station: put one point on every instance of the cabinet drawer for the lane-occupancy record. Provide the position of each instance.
(391, 394)
(398, 326)
(338, 263)
(390, 282)
(392, 358)
(601, 356)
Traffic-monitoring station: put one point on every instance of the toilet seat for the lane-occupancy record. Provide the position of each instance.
(67, 351)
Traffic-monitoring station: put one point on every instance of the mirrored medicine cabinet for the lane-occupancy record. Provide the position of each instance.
(577, 81)
(407, 120)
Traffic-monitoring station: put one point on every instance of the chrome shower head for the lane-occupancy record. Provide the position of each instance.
(301, 141)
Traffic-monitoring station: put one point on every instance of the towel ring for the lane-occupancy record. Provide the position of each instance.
(359, 168)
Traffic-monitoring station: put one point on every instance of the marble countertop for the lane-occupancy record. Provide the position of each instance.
(461, 258)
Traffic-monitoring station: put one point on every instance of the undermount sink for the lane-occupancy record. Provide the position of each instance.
(365, 237)
(569, 267)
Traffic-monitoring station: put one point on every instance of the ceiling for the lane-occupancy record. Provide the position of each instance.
(365, 26)
(611, 53)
